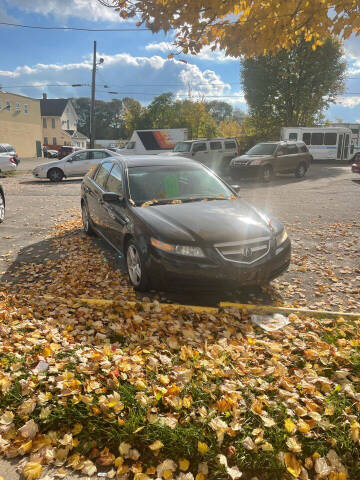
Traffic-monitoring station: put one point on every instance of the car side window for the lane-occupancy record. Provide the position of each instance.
(292, 149)
(230, 146)
(303, 148)
(199, 147)
(114, 182)
(215, 146)
(97, 155)
(80, 156)
(102, 174)
(281, 151)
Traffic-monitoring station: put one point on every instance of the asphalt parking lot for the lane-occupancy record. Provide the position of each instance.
(320, 211)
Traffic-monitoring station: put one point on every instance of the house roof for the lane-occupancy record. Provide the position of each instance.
(76, 134)
(53, 107)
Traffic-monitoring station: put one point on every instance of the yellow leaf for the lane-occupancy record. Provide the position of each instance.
(303, 427)
(202, 448)
(184, 464)
(156, 445)
(200, 476)
(168, 474)
(290, 425)
(32, 470)
(77, 428)
(292, 464)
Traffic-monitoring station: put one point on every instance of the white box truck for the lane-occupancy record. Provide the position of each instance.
(153, 142)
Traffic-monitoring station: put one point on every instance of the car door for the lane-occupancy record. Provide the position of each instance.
(116, 211)
(77, 165)
(200, 152)
(94, 196)
(292, 159)
(279, 158)
(215, 153)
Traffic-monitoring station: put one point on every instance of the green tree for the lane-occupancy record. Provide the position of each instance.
(294, 87)
(219, 110)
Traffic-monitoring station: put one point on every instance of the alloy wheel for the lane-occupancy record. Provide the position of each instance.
(2, 209)
(134, 265)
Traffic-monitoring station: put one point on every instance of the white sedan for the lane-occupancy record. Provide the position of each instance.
(76, 164)
(7, 163)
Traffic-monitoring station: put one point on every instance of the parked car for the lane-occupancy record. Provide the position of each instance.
(8, 150)
(67, 150)
(7, 164)
(52, 154)
(174, 219)
(75, 165)
(2, 204)
(355, 167)
(265, 160)
(215, 153)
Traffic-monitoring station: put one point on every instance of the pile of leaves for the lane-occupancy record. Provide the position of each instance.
(144, 391)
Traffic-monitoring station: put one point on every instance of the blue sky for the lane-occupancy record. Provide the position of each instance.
(136, 63)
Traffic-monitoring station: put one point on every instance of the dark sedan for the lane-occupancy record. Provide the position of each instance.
(174, 219)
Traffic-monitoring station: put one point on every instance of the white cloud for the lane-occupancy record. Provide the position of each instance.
(86, 9)
(205, 54)
(136, 76)
(349, 102)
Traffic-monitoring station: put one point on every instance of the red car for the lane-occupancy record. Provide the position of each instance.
(355, 167)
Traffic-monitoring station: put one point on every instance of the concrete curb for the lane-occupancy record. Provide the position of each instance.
(243, 307)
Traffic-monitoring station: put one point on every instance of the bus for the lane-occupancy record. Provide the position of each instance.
(324, 143)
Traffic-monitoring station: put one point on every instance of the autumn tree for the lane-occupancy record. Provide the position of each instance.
(294, 87)
(249, 27)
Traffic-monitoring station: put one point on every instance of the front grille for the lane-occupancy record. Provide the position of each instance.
(245, 251)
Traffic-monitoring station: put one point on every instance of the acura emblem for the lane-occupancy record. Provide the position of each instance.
(247, 252)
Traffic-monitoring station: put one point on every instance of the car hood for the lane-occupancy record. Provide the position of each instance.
(218, 221)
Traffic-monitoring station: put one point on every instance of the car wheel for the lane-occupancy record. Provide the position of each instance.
(267, 174)
(88, 229)
(2, 208)
(300, 171)
(136, 269)
(55, 175)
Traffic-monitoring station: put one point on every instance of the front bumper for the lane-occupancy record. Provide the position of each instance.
(246, 171)
(216, 271)
(39, 174)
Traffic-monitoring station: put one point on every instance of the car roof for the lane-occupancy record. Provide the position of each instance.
(153, 160)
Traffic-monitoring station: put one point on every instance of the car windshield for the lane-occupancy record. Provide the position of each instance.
(182, 147)
(167, 184)
(262, 149)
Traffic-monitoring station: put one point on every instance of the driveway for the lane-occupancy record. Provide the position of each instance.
(320, 212)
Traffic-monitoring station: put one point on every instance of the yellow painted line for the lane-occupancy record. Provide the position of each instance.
(248, 308)
(107, 303)
(244, 307)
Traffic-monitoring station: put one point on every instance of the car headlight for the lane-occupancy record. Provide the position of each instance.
(256, 162)
(281, 237)
(186, 250)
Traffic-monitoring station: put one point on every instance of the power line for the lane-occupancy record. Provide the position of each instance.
(81, 29)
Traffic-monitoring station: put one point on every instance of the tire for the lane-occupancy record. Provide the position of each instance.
(267, 174)
(300, 170)
(55, 175)
(136, 268)
(88, 229)
(2, 208)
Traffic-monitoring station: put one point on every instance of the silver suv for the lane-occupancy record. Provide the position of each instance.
(266, 159)
(215, 153)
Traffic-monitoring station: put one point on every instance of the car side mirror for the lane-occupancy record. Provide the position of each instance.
(70, 160)
(237, 188)
(110, 197)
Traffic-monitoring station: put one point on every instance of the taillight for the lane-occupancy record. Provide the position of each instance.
(12, 160)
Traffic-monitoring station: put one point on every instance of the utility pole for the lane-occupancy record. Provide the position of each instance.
(92, 111)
